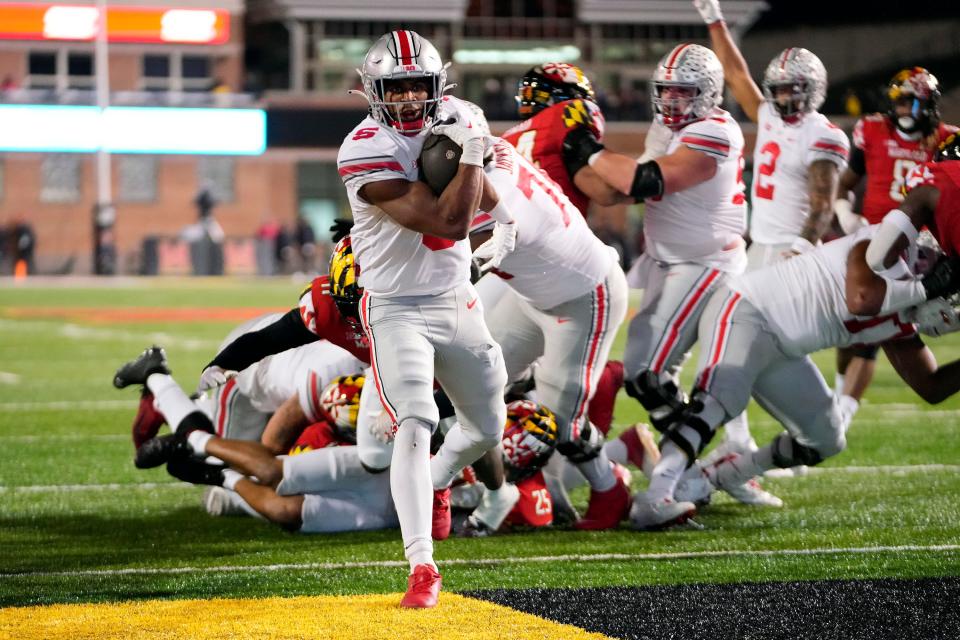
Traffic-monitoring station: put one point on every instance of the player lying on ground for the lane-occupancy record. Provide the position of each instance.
(758, 331)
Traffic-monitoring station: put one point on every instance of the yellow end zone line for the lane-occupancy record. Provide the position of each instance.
(596, 557)
(341, 617)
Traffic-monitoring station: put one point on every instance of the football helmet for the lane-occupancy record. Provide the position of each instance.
(341, 399)
(949, 149)
(403, 55)
(344, 290)
(551, 83)
(803, 73)
(692, 69)
(921, 90)
(529, 438)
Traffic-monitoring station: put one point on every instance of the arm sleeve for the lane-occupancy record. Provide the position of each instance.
(858, 162)
(286, 333)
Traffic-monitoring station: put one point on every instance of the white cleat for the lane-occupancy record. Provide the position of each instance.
(751, 493)
(696, 488)
(222, 502)
(655, 516)
(494, 507)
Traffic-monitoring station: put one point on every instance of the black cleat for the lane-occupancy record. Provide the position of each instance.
(152, 360)
(155, 451)
(195, 471)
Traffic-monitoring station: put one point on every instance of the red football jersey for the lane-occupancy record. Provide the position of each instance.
(535, 507)
(320, 316)
(540, 140)
(889, 158)
(945, 177)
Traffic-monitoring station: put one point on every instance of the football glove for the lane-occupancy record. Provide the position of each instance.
(934, 318)
(340, 229)
(943, 280)
(383, 428)
(492, 252)
(709, 10)
(214, 376)
(471, 139)
(656, 143)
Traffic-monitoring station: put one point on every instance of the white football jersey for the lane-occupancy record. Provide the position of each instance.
(394, 260)
(705, 223)
(805, 300)
(781, 161)
(557, 257)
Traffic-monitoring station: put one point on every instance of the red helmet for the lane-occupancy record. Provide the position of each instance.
(920, 89)
(549, 84)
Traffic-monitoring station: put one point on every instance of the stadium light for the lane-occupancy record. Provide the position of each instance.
(525, 56)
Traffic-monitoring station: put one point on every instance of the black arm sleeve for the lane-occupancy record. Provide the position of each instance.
(286, 333)
(858, 161)
(647, 181)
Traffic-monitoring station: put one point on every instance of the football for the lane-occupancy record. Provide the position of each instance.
(439, 162)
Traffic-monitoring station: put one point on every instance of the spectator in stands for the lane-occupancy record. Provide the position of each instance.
(24, 241)
(205, 237)
(268, 256)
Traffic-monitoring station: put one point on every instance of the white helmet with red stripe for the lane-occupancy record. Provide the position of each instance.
(688, 69)
(403, 55)
(803, 74)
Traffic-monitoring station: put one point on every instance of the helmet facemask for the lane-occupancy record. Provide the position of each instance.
(550, 84)
(396, 113)
(790, 99)
(914, 97)
(675, 104)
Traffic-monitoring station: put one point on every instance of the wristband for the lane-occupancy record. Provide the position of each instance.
(898, 271)
(472, 152)
(501, 213)
(902, 294)
(802, 245)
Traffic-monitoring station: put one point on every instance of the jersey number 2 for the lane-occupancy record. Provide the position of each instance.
(764, 188)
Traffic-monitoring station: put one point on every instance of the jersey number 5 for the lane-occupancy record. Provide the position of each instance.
(764, 189)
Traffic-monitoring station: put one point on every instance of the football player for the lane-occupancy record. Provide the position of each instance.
(797, 159)
(554, 99)
(757, 336)
(694, 223)
(566, 322)
(886, 147)
(419, 310)
(932, 200)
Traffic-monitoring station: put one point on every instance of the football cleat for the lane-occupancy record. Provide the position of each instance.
(195, 471)
(642, 449)
(750, 492)
(695, 488)
(423, 588)
(606, 508)
(492, 511)
(441, 516)
(152, 360)
(656, 516)
(156, 451)
(218, 501)
(148, 420)
(473, 528)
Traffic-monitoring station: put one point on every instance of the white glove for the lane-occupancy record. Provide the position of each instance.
(709, 10)
(457, 132)
(934, 317)
(656, 143)
(494, 250)
(214, 377)
(383, 428)
(849, 221)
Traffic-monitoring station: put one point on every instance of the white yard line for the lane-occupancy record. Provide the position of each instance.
(598, 557)
(68, 405)
(112, 486)
(70, 437)
(9, 378)
(78, 332)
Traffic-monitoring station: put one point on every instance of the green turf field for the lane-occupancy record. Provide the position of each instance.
(78, 523)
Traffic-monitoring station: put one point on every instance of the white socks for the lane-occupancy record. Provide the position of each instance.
(231, 478)
(598, 472)
(169, 399)
(198, 441)
(412, 490)
(460, 448)
(667, 473)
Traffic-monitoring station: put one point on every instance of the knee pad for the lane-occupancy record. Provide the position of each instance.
(584, 448)
(696, 425)
(787, 452)
(662, 400)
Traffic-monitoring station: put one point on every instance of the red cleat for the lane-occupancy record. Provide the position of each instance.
(642, 449)
(441, 515)
(600, 409)
(606, 508)
(148, 420)
(423, 588)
